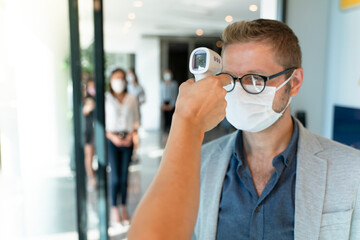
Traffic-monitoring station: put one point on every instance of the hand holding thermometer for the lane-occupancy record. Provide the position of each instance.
(204, 62)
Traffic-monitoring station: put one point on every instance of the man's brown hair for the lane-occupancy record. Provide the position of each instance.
(277, 34)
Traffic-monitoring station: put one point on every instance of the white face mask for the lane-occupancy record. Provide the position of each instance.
(118, 85)
(253, 112)
(130, 78)
(167, 76)
(91, 91)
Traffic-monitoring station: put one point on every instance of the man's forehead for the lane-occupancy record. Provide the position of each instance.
(238, 47)
(250, 57)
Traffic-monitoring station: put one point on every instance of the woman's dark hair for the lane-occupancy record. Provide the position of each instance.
(112, 73)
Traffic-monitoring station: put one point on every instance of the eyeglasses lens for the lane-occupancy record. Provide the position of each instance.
(253, 83)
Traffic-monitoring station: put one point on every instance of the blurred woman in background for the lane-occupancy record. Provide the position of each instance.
(122, 121)
(89, 113)
(135, 89)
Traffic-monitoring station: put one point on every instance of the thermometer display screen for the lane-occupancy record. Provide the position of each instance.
(200, 61)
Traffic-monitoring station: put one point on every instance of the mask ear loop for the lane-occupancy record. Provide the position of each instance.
(287, 105)
(287, 80)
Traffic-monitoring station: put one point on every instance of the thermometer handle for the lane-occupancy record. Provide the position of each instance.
(201, 76)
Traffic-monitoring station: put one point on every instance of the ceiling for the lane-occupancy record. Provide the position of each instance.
(165, 17)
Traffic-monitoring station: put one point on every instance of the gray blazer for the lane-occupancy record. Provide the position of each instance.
(327, 202)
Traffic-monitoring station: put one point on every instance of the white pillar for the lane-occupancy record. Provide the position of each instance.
(148, 70)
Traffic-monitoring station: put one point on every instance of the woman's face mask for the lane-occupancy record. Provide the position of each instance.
(118, 85)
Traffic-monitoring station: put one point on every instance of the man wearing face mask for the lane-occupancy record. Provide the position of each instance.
(168, 95)
(272, 179)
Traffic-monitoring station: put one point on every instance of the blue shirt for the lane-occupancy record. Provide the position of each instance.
(169, 92)
(245, 215)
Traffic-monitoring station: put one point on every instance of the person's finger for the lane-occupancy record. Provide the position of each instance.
(190, 81)
(224, 79)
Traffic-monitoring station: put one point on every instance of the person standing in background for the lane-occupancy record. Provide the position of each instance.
(168, 94)
(122, 121)
(135, 89)
(89, 113)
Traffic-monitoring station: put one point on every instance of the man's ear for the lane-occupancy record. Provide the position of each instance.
(296, 81)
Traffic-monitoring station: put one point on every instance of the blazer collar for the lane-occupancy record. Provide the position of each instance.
(212, 178)
(311, 175)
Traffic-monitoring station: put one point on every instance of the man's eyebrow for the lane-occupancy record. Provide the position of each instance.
(255, 71)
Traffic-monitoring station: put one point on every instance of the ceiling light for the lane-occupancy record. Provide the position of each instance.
(229, 18)
(199, 32)
(137, 3)
(127, 24)
(131, 16)
(253, 8)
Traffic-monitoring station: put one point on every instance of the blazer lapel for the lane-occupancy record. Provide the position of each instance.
(213, 176)
(311, 175)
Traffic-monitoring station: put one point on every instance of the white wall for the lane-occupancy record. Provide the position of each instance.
(309, 21)
(329, 38)
(269, 9)
(343, 71)
(8, 113)
(34, 47)
(35, 129)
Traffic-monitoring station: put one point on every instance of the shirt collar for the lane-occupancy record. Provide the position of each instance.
(286, 156)
(238, 149)
(291, 149)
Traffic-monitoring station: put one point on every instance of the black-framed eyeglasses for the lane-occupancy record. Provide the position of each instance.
(251, 83)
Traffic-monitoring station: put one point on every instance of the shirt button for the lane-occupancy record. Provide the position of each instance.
(257, 209)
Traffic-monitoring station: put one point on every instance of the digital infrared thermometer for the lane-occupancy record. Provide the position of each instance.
(204, 62)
